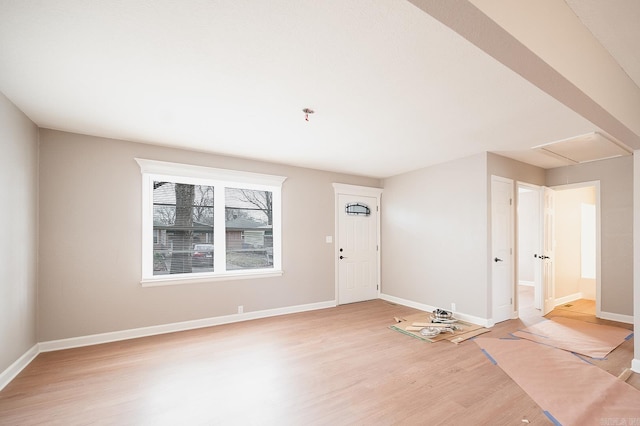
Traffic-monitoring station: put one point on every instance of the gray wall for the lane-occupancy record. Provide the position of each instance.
(19, 242)
(434, 236)
(512, 169)
(435, 220)
(616, 190)
(616, 221)
(90, 240)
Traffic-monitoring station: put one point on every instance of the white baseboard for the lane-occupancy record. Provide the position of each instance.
(567, 299)
(635, 365)
(421, 306)
(627, 319)
(527, 283)
(95, 339)
(53, 345)
(14, 369)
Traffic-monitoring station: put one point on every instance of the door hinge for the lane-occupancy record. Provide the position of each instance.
(511, 301)
(510, 201)
(377, 287)
(377, 249)
(377, 209)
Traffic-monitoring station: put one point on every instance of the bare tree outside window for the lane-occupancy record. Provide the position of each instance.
(263, 200)
(183, 234)
(248, 199)
(183, 216)
(203, 201)
(249, 228)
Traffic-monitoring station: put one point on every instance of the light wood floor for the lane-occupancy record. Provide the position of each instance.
(334, 366)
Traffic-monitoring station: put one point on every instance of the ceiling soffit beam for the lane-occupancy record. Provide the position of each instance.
(576, 89)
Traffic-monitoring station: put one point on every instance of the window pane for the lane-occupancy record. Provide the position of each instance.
(249, 228)
(182, 228)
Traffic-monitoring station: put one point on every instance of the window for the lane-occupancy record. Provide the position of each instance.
(205, 223)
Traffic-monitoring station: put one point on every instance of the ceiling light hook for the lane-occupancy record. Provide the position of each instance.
(307, 111)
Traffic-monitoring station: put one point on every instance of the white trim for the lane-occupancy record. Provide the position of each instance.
(364, 191)
(219, 178)
(627, 319)
(567, 299)
(163, 280)
(527, 283)
(202, 172)
(95, 339)
(635, 365)
(14, 369)
(428, 308)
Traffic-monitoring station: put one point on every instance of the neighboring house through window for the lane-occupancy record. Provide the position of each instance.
(206, 223)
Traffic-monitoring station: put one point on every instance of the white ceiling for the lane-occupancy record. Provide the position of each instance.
(394, 90)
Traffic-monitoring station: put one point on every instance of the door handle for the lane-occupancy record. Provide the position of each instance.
(497, 259)
(342, 257)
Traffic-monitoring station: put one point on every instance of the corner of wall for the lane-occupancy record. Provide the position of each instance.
(636, 261)
(37, 273)
(18, 365)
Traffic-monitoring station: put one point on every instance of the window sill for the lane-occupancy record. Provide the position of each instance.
(203, 278)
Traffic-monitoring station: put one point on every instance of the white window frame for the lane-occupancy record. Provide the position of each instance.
(153, 170)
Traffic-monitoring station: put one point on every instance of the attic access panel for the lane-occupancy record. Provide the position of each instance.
(585, 148)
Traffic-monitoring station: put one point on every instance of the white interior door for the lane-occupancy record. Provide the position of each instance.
(538, 232)
(547, 258)
(530, 218)
(503, 281)
(357, 249)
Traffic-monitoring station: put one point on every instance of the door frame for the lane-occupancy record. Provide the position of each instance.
(577, 185)
(549, 262)
(596, 184)
(363, 191)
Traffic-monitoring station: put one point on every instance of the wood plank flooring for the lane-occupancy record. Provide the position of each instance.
(338, 366)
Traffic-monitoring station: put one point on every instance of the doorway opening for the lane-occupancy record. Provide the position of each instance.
(576, 247)
(529, 232)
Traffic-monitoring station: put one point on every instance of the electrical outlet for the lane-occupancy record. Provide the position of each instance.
(240, 309)
(453, 307)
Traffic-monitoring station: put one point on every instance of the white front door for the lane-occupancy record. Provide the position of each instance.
(503, 283)
(547, 258)
(357, 248)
